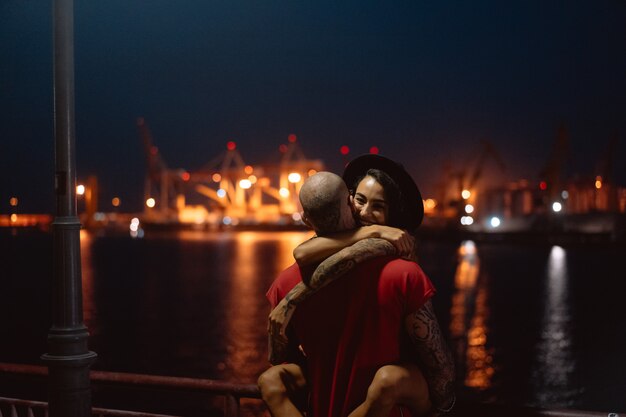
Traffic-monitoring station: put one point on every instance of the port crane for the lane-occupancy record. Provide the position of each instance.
(459, 186)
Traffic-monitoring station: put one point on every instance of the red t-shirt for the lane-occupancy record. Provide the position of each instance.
(354, 326)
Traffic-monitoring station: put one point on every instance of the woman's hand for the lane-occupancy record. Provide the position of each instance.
(399, 238)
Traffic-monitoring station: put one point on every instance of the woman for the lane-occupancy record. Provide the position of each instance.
(387, 204)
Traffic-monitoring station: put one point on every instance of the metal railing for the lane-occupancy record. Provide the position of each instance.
(231, 392)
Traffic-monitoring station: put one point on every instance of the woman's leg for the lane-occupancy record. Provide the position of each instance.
(395, 385)
(283, 388)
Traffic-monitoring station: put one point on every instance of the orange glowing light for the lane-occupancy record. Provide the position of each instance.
(248, 169)
(292, 138)
(115, 202)
(598, 182)
(80, 189)
(312, 172)
(151, 202)
(231, 146)
(374, 150)
(13, 218)
(253, 179)
(185, 176)
(282, 148)
(216, 177)
(13, 201)
(344, 150)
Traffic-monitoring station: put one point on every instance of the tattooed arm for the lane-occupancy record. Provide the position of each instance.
(433, 356)
(319, 248)
(328, 271)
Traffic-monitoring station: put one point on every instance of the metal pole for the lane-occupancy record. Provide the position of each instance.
(68, 358)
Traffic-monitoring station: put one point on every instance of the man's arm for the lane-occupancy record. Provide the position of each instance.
(433, 356)
(328, 271)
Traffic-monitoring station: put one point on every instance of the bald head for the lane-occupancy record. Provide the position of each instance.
(324, 199)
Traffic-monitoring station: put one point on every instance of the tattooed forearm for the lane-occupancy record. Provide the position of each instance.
(345, 260)
(433, 354)
(337, 265)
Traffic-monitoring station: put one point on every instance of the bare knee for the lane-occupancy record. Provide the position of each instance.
(271, 385)
(385, 386)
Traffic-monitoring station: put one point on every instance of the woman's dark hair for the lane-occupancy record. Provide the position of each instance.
(393, 195)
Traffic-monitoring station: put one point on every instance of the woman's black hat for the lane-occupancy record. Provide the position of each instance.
(412, 204)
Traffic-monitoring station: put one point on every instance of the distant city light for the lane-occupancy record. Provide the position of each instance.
(312, 172)
(494, 222)
(282, 148)
(253, 179)
(227, 220)
(294, 177)
(231, 146)
(245, 184)
(374, 150)
(13, 201)
(467, 220)
(598, 182)
(185, 176)
(13, 218)
(216, 177)
(80, 189)
(151, 202)
(430, 204)
(296, 217)
(221, 193)
(248, 169)
(556, 207)
(344, 150)
(284, 192)
(466, 194)
(115, 202)
(292, 138)
(543, 185)
(469, 208)
(135, 230)
(564, 195)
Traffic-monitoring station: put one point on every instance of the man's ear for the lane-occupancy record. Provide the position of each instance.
(306, 220)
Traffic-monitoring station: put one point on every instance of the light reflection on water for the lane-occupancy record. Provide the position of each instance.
(469, 316)
(555, 362)
(201, 287)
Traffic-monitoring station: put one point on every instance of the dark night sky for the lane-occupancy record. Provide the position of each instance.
(424, 81)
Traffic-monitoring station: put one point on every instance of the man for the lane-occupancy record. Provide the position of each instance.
(355, 331)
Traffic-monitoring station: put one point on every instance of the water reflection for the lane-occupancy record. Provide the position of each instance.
(256, 255)
(556, 363)
(469, 320)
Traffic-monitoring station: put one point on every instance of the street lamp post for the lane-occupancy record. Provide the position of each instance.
(68, 357)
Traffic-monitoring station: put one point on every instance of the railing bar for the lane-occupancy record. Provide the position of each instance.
(209, 385)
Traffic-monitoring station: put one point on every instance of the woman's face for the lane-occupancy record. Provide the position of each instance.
(369, 202)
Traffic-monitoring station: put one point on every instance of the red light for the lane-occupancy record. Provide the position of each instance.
(282, 148)
(374, 150)
(543, 185)
(292, 138)
(154, 150)
(344, 150)
(231, 146)
(185, 176)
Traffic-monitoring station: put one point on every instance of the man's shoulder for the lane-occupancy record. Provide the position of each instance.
(402, 268)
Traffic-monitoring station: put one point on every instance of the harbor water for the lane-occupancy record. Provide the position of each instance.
(529, 324)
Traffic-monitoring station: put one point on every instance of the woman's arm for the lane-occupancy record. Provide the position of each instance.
(319, 248)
